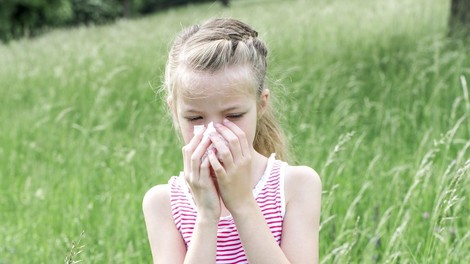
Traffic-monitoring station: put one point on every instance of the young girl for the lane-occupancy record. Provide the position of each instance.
(234, 201)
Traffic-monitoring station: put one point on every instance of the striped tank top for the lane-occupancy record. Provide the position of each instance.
(269, 194)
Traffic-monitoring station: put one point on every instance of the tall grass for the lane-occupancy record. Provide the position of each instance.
(373, 95)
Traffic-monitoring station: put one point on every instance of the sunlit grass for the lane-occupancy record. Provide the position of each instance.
(372, 93)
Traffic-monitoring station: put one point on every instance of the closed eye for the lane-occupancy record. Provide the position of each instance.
(235, 116)
(193, 118)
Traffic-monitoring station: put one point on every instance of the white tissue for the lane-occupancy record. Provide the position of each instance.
(210, 129)
(197, 128)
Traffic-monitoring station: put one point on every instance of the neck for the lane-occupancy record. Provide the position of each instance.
(258, 166)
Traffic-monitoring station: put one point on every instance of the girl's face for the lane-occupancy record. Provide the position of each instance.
(211, 97)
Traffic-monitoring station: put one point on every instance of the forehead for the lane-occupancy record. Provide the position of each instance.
(215, 103)
(230, 82)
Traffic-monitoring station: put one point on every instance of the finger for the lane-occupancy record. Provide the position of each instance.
(197, 156)
(201, 148)
(194, 142)
(232, 139)
(215, 164)
(244, 146)
(204, 171)
(189, 149)
(223, 150)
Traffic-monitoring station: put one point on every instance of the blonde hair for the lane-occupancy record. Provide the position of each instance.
(215, 45)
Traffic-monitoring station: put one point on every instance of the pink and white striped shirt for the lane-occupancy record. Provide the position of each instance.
(269, 194)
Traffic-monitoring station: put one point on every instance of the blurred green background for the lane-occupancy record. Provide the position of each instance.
(20, 18)
(373, 94)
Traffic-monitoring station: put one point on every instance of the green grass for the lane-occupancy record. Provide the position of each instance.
(372, 96)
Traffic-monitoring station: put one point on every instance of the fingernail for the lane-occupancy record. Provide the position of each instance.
(217, 125)
(226, 121)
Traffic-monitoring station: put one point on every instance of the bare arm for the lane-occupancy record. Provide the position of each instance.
(257, 239)
(203, 243)
(301, 225)
(166, 242)
(302, 220)
(303, 190)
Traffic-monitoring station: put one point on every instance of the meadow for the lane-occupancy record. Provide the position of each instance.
(373, 94)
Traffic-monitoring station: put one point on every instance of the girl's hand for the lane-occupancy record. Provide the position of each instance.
(197, 175)
(233, 171)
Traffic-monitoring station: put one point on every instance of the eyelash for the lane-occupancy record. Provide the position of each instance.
(236, 116)
(196, 118)
(193, 119)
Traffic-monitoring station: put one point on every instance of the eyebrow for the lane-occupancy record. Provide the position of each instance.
(231, 108)
(224, 110)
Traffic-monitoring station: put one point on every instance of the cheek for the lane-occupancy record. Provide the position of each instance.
(187, 133)
(185, 128)
(249, 127)
(250, 135)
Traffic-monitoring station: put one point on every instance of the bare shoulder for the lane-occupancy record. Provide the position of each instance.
(302, 180)
(166, 243)
(300, 234)
(156, 199)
